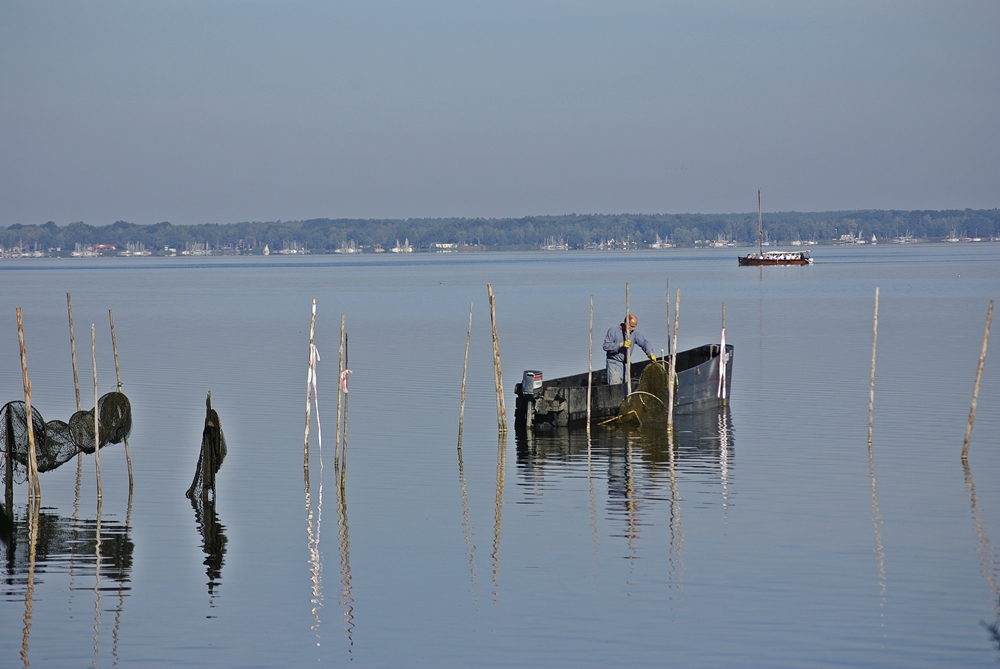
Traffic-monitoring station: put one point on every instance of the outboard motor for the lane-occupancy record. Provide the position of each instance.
(527, 392)
(531, 382)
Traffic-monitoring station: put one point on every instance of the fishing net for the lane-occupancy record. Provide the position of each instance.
(213, 452)
(56, 442)
(648, 402)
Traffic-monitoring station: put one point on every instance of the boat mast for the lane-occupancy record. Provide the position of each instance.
(760, 229)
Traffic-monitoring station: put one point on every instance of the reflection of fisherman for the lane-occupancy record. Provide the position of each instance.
(617, 345)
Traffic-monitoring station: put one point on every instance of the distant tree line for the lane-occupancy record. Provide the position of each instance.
(576, 230)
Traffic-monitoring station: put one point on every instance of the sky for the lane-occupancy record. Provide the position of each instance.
(222, 111)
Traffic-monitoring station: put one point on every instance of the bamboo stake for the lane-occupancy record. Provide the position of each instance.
(590, 366)
(871, 389)
(34, 489)
(343, 454)
(72, 350)
(114, 347)
(628, 347)
(465, 368)
(97, 431)
(497, 373)
(8, 478)
(118, 375)
(309, 381)
(673, 363)
(76, 387)
(975, 389)
(668, 314)
(722, 357)
(340, 391)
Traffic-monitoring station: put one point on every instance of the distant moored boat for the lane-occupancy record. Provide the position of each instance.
(761, 258)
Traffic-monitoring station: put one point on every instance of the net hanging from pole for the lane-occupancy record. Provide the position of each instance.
(57, 442)
(213, 452)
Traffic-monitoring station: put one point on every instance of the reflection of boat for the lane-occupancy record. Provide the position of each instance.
(563, 401)
(702, 440)
(761, 258)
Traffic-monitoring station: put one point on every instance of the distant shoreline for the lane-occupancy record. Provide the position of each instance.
(554, 233)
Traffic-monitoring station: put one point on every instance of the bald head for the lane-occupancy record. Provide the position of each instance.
(632, 322)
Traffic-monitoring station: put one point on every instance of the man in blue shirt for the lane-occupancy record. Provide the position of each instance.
(617, 346)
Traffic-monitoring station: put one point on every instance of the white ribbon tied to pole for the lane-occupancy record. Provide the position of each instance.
(722, 367)
(313, 359)
(343, 380)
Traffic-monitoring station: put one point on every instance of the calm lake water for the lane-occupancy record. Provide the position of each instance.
(765, 537)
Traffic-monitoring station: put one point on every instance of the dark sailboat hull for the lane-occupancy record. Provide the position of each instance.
(761, 262)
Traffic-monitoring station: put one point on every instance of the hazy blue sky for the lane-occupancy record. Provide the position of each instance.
(225, 111)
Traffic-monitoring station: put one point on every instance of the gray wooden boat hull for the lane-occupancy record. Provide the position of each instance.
(563, 401)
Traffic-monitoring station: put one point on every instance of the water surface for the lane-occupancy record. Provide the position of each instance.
(766, 537)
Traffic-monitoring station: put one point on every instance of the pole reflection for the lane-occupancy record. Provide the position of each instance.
(29, 594)
(467, 527)
(498, 513)
(877, 528)
(987, 554)
(344, 544)
(44, 542)
(213, 542)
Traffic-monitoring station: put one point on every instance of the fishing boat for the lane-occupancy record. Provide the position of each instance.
(703, 379)
(761, 258)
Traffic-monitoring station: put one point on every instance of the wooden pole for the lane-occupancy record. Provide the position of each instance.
(118, 375)
(722, 358)
(668, 314)
(114, 347)
(871, 388)
(590, 367)
(465, 368)
(340, 391)
(34, 489)
(72, 350)
(76, 387)
(97, 431)
(207, 452)
(9, 467)
(975, 389)
(497, 373)
(628, 347)
(343, 454)
(673, 363)
(309, 382)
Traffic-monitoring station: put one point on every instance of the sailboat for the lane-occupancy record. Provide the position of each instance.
(761, 258)
(874, 240)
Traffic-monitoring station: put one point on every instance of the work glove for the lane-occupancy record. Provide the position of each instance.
(651, 357)
(627, 343)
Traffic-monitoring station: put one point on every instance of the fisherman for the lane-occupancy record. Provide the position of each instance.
(617, 345)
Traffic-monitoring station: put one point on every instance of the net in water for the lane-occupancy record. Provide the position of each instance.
(56, 442)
